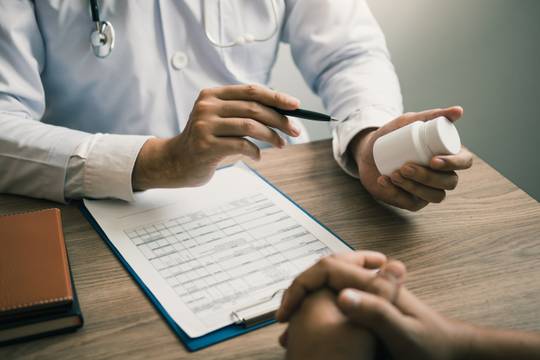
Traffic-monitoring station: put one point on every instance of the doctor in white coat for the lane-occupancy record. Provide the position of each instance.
(170, 100)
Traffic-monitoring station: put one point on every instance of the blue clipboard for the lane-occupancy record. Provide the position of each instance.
(214, 337)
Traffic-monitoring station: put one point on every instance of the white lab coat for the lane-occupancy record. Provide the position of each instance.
(71, 125)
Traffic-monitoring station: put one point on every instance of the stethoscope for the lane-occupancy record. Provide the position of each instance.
(102, 37)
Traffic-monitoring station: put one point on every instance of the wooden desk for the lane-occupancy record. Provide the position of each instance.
(475, 257)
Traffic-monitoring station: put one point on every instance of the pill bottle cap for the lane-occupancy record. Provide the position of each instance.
(441, 136)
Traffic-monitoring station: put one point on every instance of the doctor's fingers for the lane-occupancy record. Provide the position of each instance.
(461, 161)
(395, 196)
(417, 189)
(259, 112)
(444, 180)
(226, 146)
(453, 113)
(335, 274)
(240, 127)
(258, 93)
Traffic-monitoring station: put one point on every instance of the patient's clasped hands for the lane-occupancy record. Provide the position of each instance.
(348, 304)
(341, 306)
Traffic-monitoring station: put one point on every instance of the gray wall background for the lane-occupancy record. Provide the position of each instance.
(481, 54)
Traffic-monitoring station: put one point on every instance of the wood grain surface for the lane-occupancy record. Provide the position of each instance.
(474, 257)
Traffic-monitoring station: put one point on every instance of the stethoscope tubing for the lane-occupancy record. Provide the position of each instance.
(245, 38)
(102, 38)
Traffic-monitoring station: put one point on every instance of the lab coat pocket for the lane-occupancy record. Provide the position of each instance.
(252, 27)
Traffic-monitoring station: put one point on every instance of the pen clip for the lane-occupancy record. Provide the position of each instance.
(246, 316)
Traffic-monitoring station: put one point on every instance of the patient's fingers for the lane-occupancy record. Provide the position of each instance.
(283, 338)
(365, 258)
(336, 272)
(327, 272)
(375, 314)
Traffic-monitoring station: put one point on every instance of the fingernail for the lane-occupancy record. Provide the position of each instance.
(408, 170)
(438, 162)
(352, 298)
(388, 271)
(397, 178)
(295, 130)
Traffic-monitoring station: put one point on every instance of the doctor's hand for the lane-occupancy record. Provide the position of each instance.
(220, 119)
(413, 186)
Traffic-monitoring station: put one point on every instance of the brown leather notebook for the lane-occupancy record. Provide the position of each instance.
(34, 269)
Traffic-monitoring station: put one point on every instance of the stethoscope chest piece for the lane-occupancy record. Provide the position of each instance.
(102, 39)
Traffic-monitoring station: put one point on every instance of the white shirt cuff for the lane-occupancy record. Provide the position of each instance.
(108, 162)
(345, 131)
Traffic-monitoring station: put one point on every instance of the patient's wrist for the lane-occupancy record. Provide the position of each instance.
(465, 340)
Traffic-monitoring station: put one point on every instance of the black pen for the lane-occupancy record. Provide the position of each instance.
(306, 114)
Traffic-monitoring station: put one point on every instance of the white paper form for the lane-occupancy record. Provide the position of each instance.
(206, 252)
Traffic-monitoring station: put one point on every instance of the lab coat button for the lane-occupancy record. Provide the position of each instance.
(179, 60)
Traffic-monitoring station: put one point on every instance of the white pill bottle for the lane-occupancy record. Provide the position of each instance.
(417, 142)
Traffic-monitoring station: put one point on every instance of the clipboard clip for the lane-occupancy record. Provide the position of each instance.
(252, 314)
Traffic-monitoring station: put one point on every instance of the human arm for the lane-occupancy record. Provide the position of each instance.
(42, 160)
(319, 330)
(59, 163)
(404, 324)
(486, 343)
(411, 327)
(33, 155)
(220, 120)
(413, 186)
(315, 325)
(342, 55)
(349, 67)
